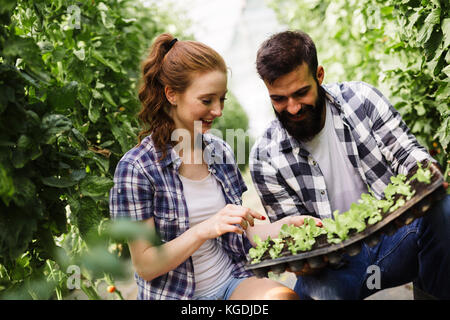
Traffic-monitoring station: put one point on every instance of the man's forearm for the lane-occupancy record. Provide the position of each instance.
(267, 229)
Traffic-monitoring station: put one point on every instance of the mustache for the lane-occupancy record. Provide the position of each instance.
(306, 108)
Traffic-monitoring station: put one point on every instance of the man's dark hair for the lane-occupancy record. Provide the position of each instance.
(283, 52)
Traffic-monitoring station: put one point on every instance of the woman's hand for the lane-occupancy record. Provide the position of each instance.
(231, 218)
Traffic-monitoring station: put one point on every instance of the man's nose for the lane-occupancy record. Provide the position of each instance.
(293, 106)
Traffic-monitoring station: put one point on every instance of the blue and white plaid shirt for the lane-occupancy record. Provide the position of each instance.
(145, 188)
(376, 140)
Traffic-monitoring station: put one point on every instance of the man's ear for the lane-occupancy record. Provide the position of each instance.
(170, 95)
(320, 74)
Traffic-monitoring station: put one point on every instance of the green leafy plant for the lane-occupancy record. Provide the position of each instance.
(258, 251)
(276, 248)
(301, 238)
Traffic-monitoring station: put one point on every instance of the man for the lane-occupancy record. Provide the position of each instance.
(328, 145)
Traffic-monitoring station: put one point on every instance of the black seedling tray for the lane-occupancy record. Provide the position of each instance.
(325, 254)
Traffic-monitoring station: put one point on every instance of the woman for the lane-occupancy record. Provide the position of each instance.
(193, 203)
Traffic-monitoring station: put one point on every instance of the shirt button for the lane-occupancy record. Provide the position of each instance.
(119, 190)
(322, 192)
(227, 190)
(314, 163)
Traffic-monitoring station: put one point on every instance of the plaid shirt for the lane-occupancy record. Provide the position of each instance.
(372, 133)
(145, 188)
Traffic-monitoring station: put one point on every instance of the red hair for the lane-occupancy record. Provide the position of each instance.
(173, 67)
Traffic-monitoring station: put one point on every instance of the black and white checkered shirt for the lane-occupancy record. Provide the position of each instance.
(376, 140)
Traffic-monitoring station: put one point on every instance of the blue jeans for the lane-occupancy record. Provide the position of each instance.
(417, 252)
(225, 291)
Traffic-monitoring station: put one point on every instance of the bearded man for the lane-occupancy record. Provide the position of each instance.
(329, 144)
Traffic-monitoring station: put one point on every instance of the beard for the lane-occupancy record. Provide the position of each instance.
(305, 130)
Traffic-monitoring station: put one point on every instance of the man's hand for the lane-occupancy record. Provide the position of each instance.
(299, 220)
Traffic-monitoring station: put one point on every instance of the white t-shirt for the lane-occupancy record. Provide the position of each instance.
(344, 184)
(212, 265)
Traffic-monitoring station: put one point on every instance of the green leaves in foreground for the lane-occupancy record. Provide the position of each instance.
(366, 211)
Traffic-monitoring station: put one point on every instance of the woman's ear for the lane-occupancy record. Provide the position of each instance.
(170, 95)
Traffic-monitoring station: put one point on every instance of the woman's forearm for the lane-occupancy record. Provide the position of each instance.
(154, 261)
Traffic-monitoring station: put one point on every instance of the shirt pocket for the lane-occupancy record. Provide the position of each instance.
(168, 205)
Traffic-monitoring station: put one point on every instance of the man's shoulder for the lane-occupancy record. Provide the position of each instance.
(348, 90)
(340, 88)
(269, 142)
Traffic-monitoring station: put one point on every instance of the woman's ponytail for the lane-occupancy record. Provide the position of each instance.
(152, 96)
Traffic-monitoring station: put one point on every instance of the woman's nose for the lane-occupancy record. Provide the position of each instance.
(217, 110)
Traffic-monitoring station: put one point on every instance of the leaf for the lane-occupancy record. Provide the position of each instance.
(443, 133)
(94, 186)
(54, 125)
(432, 44)
(97, 55)
(62, 99)
(58, 182)
(109, 98)
(88, 217)
(25, 191)
(428, 26)
(125, 230)
(445, 27)
(7, 189)
(94, 111)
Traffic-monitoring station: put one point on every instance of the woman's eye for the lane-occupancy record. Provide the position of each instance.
(206, 102)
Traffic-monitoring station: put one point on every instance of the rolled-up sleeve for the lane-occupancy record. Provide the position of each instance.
(132, 194)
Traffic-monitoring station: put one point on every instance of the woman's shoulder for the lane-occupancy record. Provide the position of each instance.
(143, 154)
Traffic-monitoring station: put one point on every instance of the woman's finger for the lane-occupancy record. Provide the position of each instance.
(237, 220)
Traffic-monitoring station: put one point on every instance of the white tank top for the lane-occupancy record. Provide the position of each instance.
(344, 184)
(212, 266)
